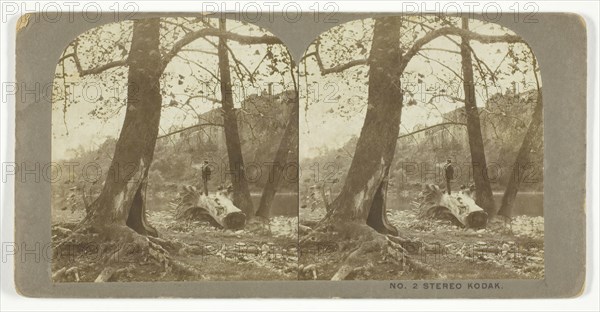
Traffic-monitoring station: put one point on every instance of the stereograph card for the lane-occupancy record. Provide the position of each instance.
(363, 155)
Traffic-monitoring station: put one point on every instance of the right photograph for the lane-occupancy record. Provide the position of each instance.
(421, 151)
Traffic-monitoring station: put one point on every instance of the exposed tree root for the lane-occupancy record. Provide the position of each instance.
(356, 259)
(364, 245)
(64, 273)
(105, 275)
(309, 270)
(119, 248)
(319, 232)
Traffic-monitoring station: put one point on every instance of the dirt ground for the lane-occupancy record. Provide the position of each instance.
(249, 254)
(503, 250)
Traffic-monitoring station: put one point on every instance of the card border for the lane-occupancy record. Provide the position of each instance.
(559, 41)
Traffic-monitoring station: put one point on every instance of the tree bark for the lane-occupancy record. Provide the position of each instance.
(523, 158)
(484, 197)
(363, 196)
(288, 141)
(241, 192)
(122, 199)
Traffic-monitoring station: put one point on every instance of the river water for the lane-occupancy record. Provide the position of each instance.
(526, 203)
(286, 204)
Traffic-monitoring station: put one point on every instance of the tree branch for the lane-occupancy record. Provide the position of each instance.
(188, 128)
(434, 126)
(206, 32)
(441, 64)
(189, 61)
(99, 69)
(91, 71)
(469, 35)
(453, 98)
(446, 31)
(199, 51)
(334, 69)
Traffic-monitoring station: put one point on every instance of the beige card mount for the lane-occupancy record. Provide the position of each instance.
(374, 156)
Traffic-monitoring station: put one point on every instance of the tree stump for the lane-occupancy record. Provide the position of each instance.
(217, 208)
(458, 207)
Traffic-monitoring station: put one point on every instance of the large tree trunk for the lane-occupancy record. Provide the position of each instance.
(484, 197)
(523, 157)
(287, 143)
(241, 193)
(363, 196)
(122, 200)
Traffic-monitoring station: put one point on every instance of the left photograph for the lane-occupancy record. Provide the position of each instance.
(175, 153)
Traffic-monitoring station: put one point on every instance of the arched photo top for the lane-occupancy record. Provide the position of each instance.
(334, 72)
(173, 122)
(410, 118)
(91, 78)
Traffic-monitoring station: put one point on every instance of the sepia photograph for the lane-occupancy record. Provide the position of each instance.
(417, 153)
(422, 152)
(298, 150)
(179, 136)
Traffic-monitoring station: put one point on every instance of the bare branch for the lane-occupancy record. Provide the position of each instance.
(469, 35)
(431, 127)
(292, 71)
(206, 32)
(99, 69)
(479, 61)
(342, 67)
(64, 57)
(199, 51)
(334, 69)
(453, 98)
(91, 71)
(307, 56)
(417, 46)
(441, 64)
(188, 128)
(441, 50)
(189, 61)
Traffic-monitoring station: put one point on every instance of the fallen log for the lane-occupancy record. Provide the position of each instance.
(217, 209)
(458, 207)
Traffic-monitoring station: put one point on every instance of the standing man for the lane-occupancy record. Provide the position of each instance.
(206, 172)
(449, 173)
